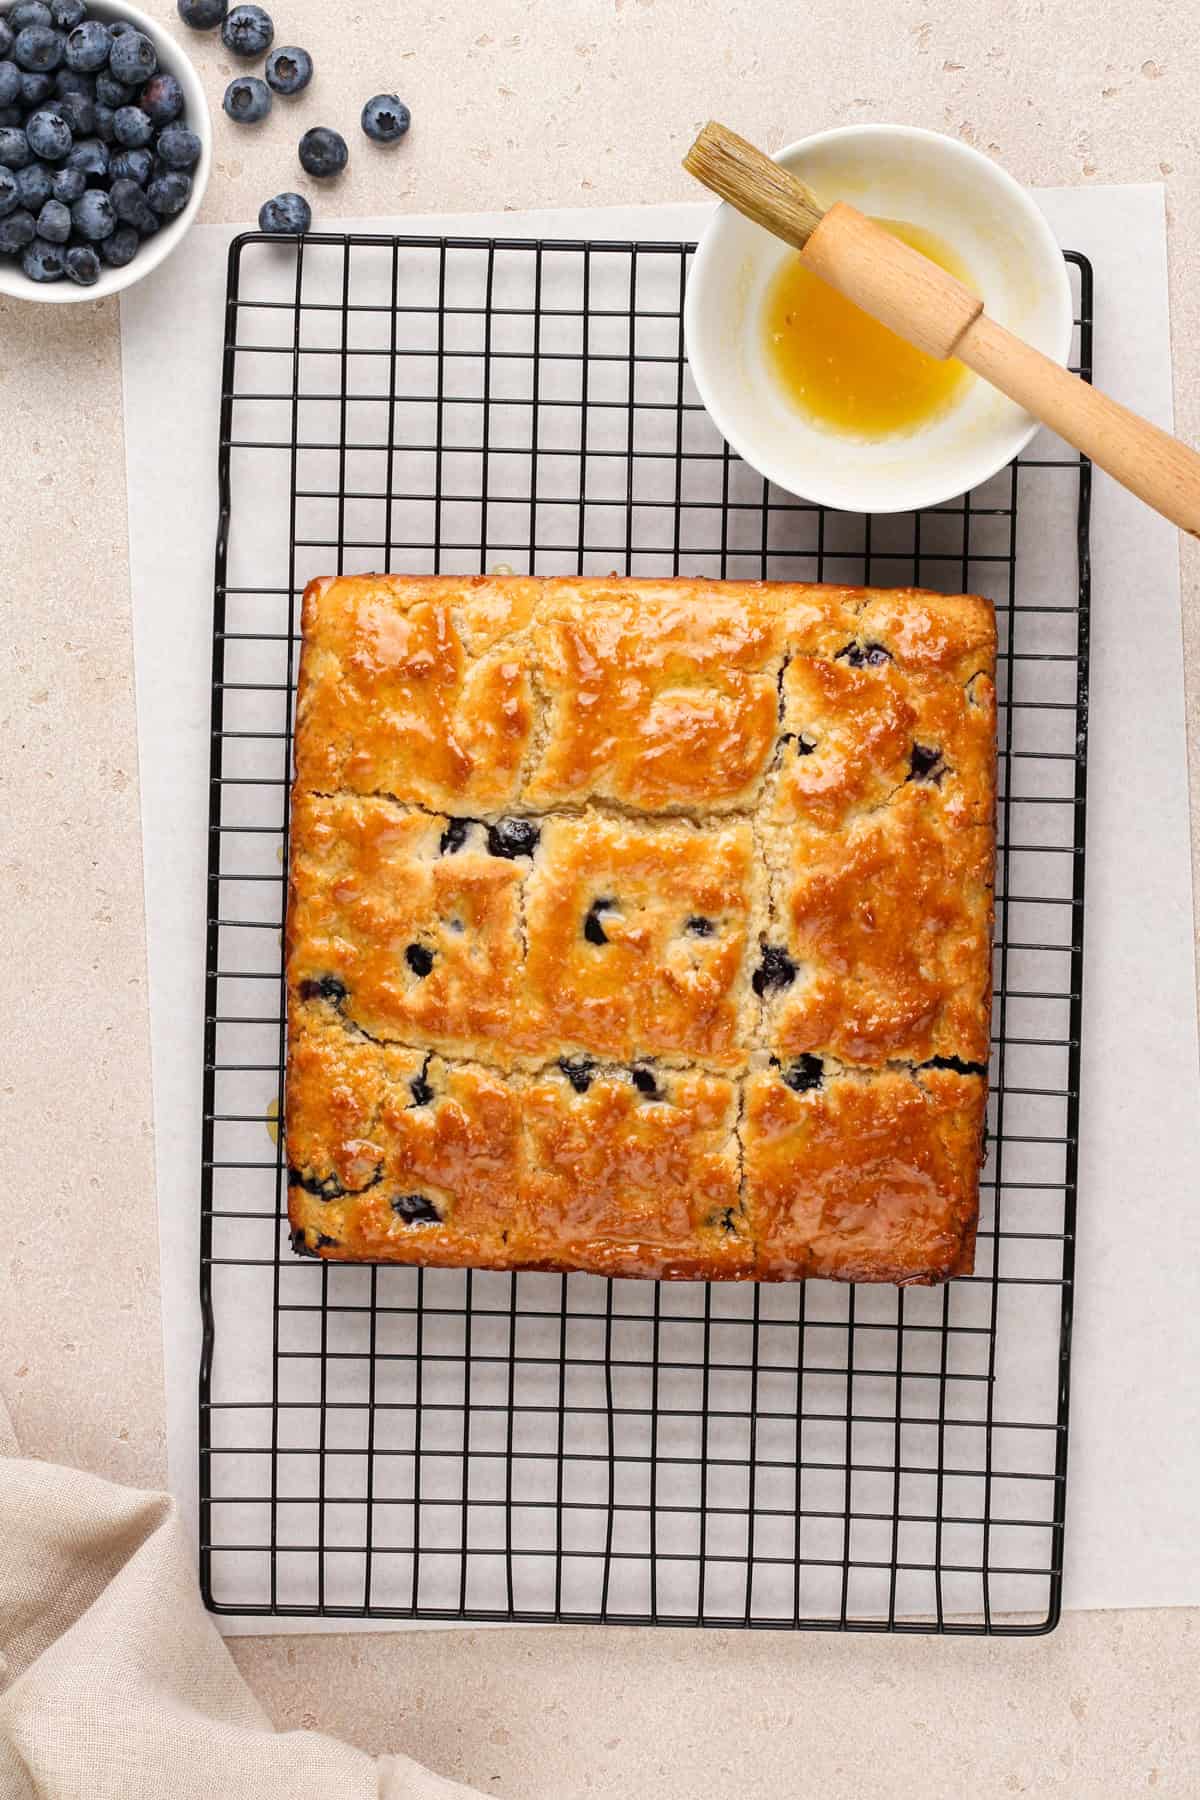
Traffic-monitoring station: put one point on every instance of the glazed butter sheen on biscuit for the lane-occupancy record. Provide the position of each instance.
(641, 927)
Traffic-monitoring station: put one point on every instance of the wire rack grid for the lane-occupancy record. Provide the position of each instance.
(379, 1442)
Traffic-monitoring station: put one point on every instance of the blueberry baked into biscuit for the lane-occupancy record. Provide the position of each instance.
(641, 927)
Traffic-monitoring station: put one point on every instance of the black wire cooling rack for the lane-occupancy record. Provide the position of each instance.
(390, 1443)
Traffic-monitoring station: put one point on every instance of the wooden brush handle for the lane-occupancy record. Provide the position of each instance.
(924, 304)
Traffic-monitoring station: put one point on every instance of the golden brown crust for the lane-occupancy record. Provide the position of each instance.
(623, 916)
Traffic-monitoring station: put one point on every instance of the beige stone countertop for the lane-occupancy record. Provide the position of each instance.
(514, 104)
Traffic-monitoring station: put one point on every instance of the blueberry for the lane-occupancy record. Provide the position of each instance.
(593, 930)
(110, 92)
(49, 135)
(10, 83)
(168, 194)
(66, 14)
(805, 1073)
(120, 28)
(8, 38)
(415, 1209)
(79, 110)
(419, 959)
(578, 1072)
(247, 31)
(91, 156)
(385, 119)
(39, 48)
(455, 834)
(35, 184)
(292, 213)
(68, 184)
(83, 265)
(17, 230)
(512, 837)
(54, 222)
(93, 217)
(925, 764)
(202, 15)
(69, 81)
(420, 1089)
(328, 987)
(133, 165)
(323, 152)
(120, 248)
(88, 47)
(29, 12)
(699, 927)
(132, 127)
(11, 117)
(247, 99)
(10, 191)
(35, 88)
(132, 58)
(104, 124)
(859, 656)
(321, 1187)
(131, 206)
(178, 147)
(644, 1082)
(162, 98)
(14, 147)
(288, 69)
(775, 970)
(42, 261)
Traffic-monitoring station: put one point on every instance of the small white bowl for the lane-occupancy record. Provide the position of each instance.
(154, 250)
(1005, 245)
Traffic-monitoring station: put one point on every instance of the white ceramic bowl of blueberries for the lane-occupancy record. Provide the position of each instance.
(86, 209)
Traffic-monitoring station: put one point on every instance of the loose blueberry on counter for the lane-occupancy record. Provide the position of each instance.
(83, 265)
(10, 83)
(804, 1073)
(416, 1209)
(644, 1082)
(161, 99)
(579, 1072)
(39, 49)
(29, 12)
(178, 147)
(698, 927)
(93, 217)
(14, 147)
(289, 69)
(513, 837)
(132, 127)
(202, 15)
(110, 92)
(247, 31)
(44, 262)
(327, 987)
(132, 58)
(247, 100)
(132, 165)
(7, 38)
(169, 193)
(17, 230)
(54, 222)
(48, 135)
(35, 88)
(10, 192)
(132, 207)
(88, 47)
(290, 214)
(385, 118)
(80, 111)
(66, 14)
(120, 248)
(593, 930)
(775, 970)
(419, 959)
(323, 153)
(67, 184)
(859, 656)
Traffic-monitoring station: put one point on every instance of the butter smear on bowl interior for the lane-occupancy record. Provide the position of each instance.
(843, 369)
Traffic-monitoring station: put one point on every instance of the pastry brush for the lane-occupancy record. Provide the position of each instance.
(924, 304)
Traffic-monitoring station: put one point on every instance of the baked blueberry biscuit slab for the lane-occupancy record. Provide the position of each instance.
(641, 927)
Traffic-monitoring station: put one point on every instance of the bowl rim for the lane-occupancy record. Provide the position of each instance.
(17, 286)
(1006, 446)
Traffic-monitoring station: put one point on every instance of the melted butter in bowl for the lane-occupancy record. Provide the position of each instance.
(844, 370)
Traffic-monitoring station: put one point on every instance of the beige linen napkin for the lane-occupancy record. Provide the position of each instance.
(114, 1681)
